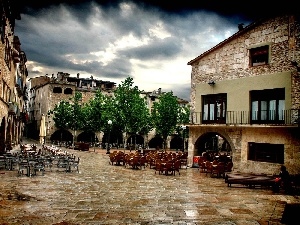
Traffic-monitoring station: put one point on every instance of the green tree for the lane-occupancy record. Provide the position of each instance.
(165, 115)
(61, 114)
(77, 119)
(183, 119)
(132, 113)
(92, 113)
(68, 115)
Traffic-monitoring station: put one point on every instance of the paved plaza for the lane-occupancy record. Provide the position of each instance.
(108, 194)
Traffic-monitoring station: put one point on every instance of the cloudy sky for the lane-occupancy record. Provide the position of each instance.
(151, 41)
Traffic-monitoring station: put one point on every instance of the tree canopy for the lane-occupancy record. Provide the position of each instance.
(126, 108)
(165, 115)
(133, 114)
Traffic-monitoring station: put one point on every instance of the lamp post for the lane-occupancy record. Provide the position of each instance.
(109, 122)
(183, 136)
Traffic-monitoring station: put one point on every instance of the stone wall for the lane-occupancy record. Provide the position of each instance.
(13, 127)
(274, 135)
(238, 139)
(38, 81)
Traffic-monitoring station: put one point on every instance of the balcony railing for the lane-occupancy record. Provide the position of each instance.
(285, 117)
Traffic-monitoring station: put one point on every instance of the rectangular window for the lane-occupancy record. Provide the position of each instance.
(259, 56)
(214, 108)
(7, 56)
(267, 106)
(266, 152)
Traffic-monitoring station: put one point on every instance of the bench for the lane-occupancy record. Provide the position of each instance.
(249, 179)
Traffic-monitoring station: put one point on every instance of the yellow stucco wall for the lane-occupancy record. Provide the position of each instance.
(237, 90)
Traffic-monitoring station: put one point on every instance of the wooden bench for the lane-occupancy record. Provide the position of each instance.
(249, 179)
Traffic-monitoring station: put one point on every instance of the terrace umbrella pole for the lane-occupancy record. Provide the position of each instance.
(43, 129)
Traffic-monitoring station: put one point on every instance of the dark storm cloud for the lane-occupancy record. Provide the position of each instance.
(118, 68)
(249, 9)
(116, 39)
(158, 49)
(182, 90)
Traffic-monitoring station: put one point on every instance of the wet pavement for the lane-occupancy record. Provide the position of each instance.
(107, 194)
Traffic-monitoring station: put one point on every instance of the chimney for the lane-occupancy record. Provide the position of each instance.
(241, 26)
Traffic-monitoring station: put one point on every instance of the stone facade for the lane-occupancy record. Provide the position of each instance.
(43, 96)
(13, 74)
(42, 99)
(229, 64)
(230, 58)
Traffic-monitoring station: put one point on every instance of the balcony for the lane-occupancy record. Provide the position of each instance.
(285, 117)
(12, 108)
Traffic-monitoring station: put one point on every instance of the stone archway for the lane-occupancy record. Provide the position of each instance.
(212, 142)
(135, 140)
(61, 136)
(87, 136)
(231, 135)
(176, 142)
(156, 142)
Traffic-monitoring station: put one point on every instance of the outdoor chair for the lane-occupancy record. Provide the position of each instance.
(208, 166)
(218, 170)
(23, 167)
(75, 165)
(167, 168)
(48, 162)
(202, 167)
(143, 162)
(134, 162)
(2, 162)
(158, 166)
(38, 167)
(229, 166)
(184, 159)
(112, 157)
(63, 163)
(176, 167)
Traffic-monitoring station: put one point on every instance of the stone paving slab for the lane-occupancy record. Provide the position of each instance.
(104, 194)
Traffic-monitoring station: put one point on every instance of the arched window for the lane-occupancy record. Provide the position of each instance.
(68, 91)
(57, 90)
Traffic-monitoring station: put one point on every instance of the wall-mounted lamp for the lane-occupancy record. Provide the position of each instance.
(211, 83)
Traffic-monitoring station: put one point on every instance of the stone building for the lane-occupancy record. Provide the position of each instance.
(245, 97)
(45, 92)
(13, 74)
(174, 141)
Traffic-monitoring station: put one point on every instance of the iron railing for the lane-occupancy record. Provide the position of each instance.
(285, 117)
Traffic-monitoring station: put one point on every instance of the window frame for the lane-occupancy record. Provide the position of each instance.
(68, 91)
(214, 108)
(259, 55)
(57, 90)
(266, 152)
(270, 106)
